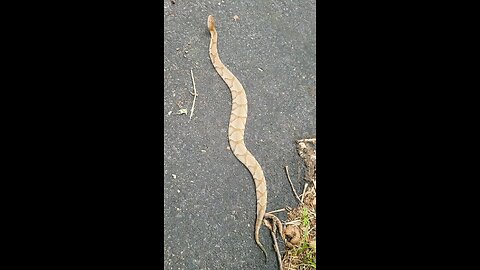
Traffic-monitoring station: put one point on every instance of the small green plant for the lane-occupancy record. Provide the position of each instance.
(310, 258)
(305, 251)
(305, 218)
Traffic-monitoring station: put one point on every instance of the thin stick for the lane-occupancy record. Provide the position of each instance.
(303, 194)
(291, 184)
(293, 222)
(308, 140)
(194, 94)
(277, 250)
(276, 211)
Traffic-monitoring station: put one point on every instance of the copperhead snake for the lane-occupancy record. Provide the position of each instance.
(236, 130)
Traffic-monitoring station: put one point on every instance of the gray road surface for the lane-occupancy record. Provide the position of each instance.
(209, 205)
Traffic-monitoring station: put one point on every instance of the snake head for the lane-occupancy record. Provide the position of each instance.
(211, 23)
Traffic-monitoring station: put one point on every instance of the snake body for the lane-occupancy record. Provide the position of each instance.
(236, 130)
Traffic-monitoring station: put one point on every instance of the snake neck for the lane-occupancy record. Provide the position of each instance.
(213, 44)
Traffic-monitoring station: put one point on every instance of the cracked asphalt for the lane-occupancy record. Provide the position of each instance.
(209, 202)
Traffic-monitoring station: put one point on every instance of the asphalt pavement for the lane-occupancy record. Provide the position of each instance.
(209, 204)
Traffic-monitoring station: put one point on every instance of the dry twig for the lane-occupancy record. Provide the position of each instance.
(291, 184)
(313, 140)
(194, 94)
(276, 211)
(303, 194)
(273, 230)
(277, 250)
(294, 222)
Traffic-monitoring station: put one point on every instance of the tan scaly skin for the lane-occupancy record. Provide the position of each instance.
(236, 129)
